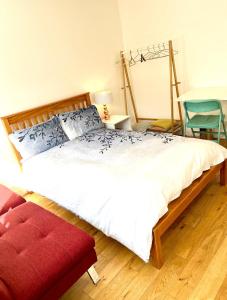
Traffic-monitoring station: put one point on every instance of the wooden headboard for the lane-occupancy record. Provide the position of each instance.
(37, 115)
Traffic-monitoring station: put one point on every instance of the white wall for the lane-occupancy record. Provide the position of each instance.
(52, 49)
(198, 29)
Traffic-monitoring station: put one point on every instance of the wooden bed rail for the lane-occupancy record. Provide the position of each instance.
(178, 206)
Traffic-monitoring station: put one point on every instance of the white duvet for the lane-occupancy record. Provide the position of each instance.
(120, 182)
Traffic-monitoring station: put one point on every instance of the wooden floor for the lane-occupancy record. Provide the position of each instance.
(195, 249)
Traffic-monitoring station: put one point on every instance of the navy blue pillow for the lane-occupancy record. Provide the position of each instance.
(78, 122)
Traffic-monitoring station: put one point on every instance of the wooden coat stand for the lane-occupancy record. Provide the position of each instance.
(173, 83)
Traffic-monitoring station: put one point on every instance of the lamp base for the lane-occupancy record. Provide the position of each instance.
(106, 112)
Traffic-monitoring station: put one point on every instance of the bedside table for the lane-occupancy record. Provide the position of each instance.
(118, 122)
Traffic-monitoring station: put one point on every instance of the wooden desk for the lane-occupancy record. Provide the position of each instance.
(218, 93)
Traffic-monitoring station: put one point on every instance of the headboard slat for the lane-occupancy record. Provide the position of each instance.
(34, 121)
(28, 123)
(40, 119)
(50, 115)
(14, 127)
(21, 125)
(45, 117)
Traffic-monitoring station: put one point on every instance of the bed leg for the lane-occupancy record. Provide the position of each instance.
(223, 173)
(156, 252)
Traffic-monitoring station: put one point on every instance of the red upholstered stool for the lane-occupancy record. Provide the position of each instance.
(8, 199)
(41, 254)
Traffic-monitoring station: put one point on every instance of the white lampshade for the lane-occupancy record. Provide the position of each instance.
(103, 97)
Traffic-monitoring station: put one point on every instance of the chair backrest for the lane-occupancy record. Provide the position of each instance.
(198, 106)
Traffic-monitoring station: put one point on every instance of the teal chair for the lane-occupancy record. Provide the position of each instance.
(204, 121)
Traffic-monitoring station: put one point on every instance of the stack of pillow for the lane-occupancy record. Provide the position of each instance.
(56, 131)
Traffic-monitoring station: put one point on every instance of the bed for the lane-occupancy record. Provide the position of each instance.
(114, 167)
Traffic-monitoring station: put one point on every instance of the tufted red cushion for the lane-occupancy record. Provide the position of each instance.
(8, 199)
(37, 250)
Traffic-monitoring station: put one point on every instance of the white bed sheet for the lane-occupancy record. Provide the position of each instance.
(125, 190)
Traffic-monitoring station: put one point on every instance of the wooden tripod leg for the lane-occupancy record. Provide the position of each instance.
(176, 82)
(171, 84)
(124, 83)
(156, 251)
(223, 173)
(129, 85)
(172, 67)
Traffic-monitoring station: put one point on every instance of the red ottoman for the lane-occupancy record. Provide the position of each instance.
(8, 199)
(41, 254)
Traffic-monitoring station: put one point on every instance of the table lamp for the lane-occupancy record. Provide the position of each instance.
(104, 97)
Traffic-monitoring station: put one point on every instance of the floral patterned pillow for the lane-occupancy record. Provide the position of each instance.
(79, 122)
(38, 138)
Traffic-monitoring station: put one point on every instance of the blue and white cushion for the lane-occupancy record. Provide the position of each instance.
(79, 122)
(38, 138)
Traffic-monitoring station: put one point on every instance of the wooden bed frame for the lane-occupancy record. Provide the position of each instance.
(40, 114)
